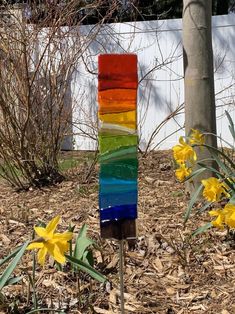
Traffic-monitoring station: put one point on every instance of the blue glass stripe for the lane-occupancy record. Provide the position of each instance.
(116, 199)
(128, 211)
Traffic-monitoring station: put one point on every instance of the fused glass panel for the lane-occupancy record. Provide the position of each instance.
(117, 97)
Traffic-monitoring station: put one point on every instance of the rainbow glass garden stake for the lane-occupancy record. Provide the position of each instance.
(117, 95)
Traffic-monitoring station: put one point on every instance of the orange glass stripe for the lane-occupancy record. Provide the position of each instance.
(117, 100)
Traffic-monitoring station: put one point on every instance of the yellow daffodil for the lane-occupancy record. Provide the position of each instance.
(197, 138)
(182, 172)
(214, 189)
(219, 221)
(56, 244)
(229, 213)
(183, 152)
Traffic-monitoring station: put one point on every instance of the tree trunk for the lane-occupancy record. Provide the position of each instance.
(199, 76)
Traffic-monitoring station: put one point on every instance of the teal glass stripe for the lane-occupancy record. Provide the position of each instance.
(112, 185)
(122, 169)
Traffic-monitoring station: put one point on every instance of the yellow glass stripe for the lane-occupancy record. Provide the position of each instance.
(126, 119)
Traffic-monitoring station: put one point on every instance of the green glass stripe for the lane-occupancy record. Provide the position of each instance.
(109, 143)
(119, 154)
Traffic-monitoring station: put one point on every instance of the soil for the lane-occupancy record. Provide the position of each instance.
(166, 269)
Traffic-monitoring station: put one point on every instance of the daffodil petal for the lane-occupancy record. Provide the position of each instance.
(229, 208)
(219, 222)
(214, 190)
(196, 137)
(63, 247)
(181, 140)
(230, 221)
(41, 232)
(50, 228)
(182, 172)
(204, 182)
(42, 255)
(50, 248)
(58, 256)
(214, 213)
(55, 252)
(66, 236)
(34, 245)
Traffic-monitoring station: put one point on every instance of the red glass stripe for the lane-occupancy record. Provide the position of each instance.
(117, 71)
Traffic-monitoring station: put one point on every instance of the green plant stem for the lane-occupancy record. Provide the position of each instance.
(35, 301)
(71, 254)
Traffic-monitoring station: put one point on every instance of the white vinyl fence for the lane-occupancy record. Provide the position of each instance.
(161, 87)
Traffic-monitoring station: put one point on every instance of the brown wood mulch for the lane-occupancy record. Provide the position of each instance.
(166, 270)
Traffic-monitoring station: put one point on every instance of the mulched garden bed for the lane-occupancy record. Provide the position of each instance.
(166, 270)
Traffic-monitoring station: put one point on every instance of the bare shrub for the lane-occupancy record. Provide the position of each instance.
(38, 55)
